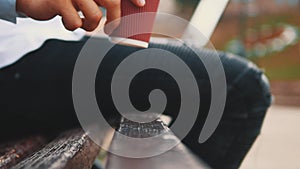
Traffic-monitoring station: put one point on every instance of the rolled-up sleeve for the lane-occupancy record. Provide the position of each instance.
(8, 10)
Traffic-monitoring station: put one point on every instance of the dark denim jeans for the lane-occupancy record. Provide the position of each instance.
(36, 96)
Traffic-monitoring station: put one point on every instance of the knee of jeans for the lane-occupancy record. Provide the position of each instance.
(253, 86)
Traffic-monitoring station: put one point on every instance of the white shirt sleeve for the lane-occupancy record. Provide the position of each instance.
(8, 10)
(16, 40)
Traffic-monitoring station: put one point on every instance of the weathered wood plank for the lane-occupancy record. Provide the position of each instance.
(71, 150)
(75, 150)
(178, 157)
(15, 151)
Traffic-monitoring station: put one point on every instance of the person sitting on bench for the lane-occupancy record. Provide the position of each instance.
(36, 67)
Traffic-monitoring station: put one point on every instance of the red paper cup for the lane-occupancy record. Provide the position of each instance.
(136, 24)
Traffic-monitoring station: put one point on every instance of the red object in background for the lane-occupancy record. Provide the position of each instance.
(136, 24)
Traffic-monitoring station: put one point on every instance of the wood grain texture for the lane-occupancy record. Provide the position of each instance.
(178, 157)
(13, 152)
(71, 150)
(75, 150)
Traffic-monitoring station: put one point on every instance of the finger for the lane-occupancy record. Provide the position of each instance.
(70, 17)
(113, 14)
(139, 3)
(111, 26)
(91, 12)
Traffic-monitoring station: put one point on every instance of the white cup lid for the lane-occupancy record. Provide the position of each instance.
(129, 42)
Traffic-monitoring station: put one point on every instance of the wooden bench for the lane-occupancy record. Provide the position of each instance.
(73, 149)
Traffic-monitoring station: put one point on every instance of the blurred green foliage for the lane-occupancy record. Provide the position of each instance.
(284, 73)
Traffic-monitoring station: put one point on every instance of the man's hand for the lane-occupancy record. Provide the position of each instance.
(47, 9)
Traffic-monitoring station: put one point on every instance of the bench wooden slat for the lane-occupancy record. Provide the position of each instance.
(178, 157)
(71, 150)
(75, 150)
(13, 152)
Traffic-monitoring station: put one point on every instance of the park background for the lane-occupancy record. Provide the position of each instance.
(268, 33)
